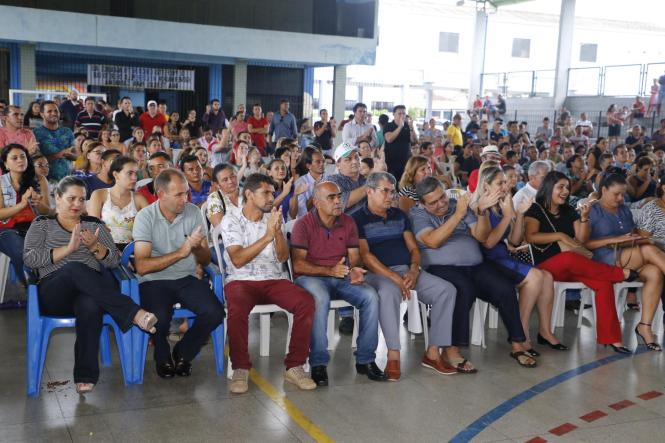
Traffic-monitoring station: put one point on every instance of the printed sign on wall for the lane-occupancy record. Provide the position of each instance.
(136, 77)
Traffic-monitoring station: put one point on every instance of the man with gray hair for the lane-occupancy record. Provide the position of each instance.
(537, 172)
(170, 242)
(449, 234)
(389, 250)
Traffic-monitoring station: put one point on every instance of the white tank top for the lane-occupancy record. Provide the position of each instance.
(119, 220)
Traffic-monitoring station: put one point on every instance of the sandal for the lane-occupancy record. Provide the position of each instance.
(653, 346)
(525, 360)
(462, 367)
(147, 322)
(84, 388)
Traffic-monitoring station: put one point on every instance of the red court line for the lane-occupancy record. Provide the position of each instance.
(563, 429)
(650, 395)
(623, 404)
(593, 416)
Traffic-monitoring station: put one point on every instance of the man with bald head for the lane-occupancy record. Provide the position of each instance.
(326, 262)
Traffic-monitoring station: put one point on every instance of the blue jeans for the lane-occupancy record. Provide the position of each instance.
(363, 297)
(11, 244)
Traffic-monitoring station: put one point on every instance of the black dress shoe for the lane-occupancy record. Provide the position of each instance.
(320, 375)
(346, 325)
(371, 370)
(183, 368)
(165, 369)
(558, 346)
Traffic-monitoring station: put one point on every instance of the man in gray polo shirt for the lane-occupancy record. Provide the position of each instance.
(170, 242)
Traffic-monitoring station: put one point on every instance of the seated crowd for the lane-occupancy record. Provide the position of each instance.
(436, 215)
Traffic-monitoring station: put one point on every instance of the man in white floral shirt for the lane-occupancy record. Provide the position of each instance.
(255, 252)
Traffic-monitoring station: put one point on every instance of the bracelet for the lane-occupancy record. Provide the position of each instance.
(584, 221)
(483, 212)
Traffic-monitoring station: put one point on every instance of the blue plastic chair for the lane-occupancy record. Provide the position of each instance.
(140, 337)
(39, 328)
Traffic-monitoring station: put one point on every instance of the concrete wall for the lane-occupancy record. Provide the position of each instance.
(212, 42)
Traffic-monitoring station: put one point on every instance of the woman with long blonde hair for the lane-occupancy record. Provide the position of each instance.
(536, 286)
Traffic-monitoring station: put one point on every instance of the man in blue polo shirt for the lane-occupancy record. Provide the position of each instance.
(324, 249)
(389, 250)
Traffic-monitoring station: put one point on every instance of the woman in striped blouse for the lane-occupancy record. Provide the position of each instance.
(80, 249)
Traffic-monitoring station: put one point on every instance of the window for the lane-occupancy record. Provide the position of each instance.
(588, 52)
(521, 47)
(383, 105)
(449, 42)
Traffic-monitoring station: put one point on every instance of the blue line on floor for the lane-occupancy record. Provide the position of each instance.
(495, 414)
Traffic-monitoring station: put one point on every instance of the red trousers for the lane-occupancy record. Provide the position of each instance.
(572, 267)
(241, 297)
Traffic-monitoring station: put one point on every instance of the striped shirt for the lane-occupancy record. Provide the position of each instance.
(91, 123)
(409, 192)
(46, 234)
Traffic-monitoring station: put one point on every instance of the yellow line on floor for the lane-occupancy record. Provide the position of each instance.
(294, 412)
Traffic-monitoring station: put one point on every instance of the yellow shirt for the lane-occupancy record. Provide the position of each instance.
(455, 135)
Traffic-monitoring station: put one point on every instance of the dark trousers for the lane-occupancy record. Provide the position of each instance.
(11, 244)
(486, 282)
(159, 296)
(243, 295)
(79, 291)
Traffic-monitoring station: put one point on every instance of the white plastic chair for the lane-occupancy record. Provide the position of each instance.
(4, 274)
(620, 296)
(559, 305)
(478, 313)
(334, 305)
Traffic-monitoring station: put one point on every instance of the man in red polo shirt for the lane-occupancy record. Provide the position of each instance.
(152, 118)
(326, 259)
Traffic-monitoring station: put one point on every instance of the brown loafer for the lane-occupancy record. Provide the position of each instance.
(392, 370)
(439, 365)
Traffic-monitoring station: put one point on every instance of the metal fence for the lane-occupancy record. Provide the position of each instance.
(612, 80)
(520, 84)
(615, 80)
(534, 119)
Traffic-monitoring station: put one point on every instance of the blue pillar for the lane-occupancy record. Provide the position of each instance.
(15, 70)
(308, 92)
(215, 82)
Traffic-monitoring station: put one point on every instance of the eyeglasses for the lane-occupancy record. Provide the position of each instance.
(42, 165)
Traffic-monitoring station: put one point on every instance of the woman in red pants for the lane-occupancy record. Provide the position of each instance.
(552, 221)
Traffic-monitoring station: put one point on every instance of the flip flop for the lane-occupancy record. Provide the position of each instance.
(460, 365)
(517, 355)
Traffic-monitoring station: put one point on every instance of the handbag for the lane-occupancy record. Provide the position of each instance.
(564, 247)
(522, 253)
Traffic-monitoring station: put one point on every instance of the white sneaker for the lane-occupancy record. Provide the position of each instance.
(300, 378)
(239, 381)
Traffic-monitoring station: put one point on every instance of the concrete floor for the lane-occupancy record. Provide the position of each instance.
(423, 406)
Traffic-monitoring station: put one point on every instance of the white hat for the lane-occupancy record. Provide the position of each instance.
(490, 149)
(152, 102)
(343, 150)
